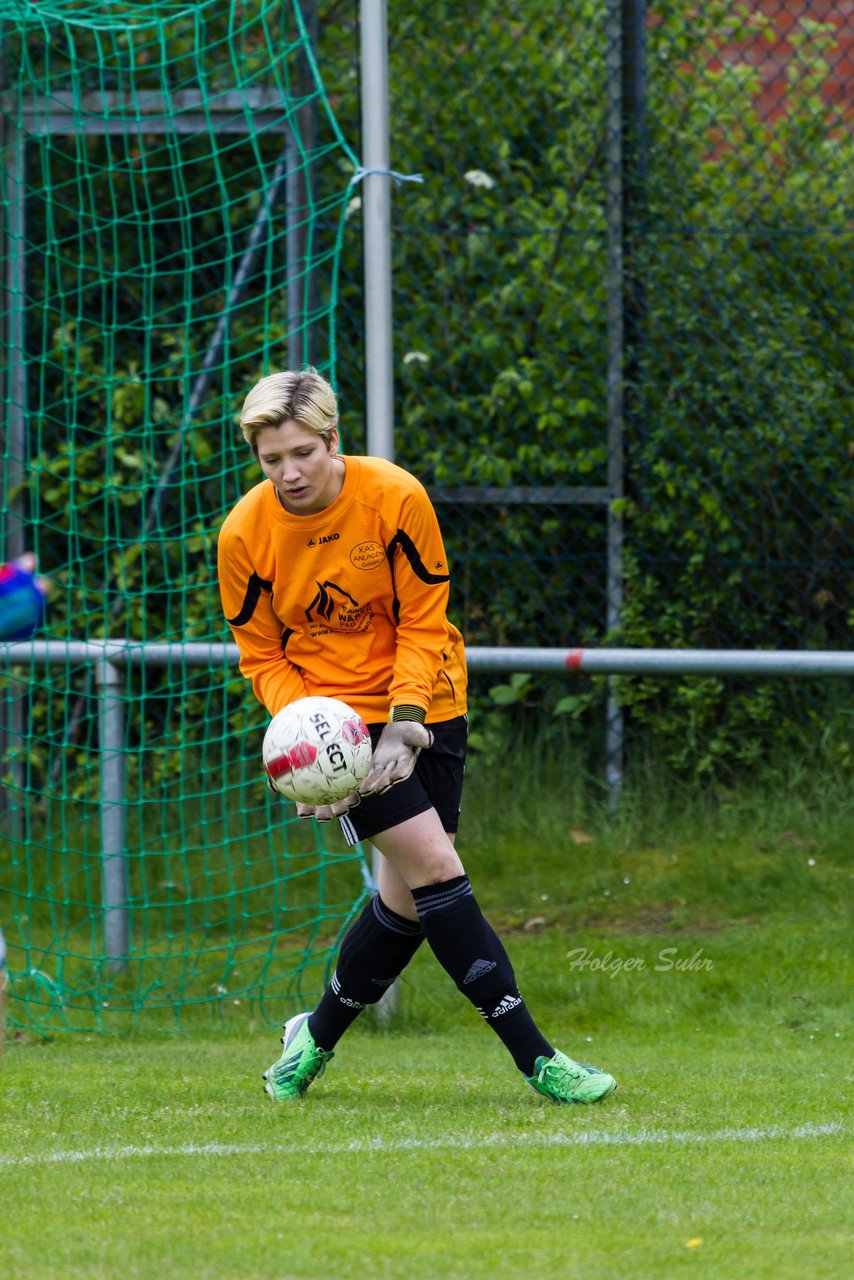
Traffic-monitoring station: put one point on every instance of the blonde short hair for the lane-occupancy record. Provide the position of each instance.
(304, 397)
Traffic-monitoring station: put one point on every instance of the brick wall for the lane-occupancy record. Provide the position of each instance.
(779, 57)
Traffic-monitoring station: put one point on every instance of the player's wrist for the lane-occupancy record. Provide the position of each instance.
(407, 712)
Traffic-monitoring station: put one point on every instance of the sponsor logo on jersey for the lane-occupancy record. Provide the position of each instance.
(368, 555)
(329, 598)
(334, 609)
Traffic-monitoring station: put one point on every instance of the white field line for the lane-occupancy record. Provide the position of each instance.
(588, 1138)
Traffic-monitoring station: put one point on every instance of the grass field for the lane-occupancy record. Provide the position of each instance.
(704, 958)
(422, 1157)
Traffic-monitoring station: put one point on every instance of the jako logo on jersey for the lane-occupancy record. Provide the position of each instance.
(354, 731)
(327, 537)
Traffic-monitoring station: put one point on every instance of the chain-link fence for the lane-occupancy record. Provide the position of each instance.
(621, 301)
(622, 297)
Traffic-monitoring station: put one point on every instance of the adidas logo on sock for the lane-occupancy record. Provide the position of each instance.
(478, 970)
(508, 1002)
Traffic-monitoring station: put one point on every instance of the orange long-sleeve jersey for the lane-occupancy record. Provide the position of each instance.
(349, 602)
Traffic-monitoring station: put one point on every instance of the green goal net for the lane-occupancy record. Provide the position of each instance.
(175, 190)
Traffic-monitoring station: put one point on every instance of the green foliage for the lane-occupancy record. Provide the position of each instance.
(739, 516)
(499, 269)
(134, 240)
(740, 519)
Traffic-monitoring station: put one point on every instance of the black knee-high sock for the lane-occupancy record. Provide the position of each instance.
(469, 949)
(376, 949)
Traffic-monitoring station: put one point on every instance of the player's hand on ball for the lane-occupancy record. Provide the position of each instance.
(395, 755)
(321, 812)
(326, 812)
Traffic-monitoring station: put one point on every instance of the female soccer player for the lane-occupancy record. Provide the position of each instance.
(334, 582)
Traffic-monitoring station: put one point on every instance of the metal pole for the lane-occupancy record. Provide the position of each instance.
(15, 378)
(376, 219)
(615, 354)
(110, 681)
(15, 393)
(625, 209)
(300, 281)
(760, 664)
(635, 173)
(294, 253)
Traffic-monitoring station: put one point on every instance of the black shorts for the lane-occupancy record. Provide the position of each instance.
(435, 783)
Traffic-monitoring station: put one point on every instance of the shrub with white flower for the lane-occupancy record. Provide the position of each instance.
(478, 178)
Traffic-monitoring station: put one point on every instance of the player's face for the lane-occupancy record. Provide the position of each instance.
(302, 466)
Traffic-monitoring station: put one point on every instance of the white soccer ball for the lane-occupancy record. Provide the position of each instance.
(317, 750)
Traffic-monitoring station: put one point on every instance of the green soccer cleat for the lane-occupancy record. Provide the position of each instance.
(563, 1080)
(301, 1062)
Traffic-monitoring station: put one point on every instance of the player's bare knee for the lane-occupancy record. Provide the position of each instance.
(438, 867)
(400, 901)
